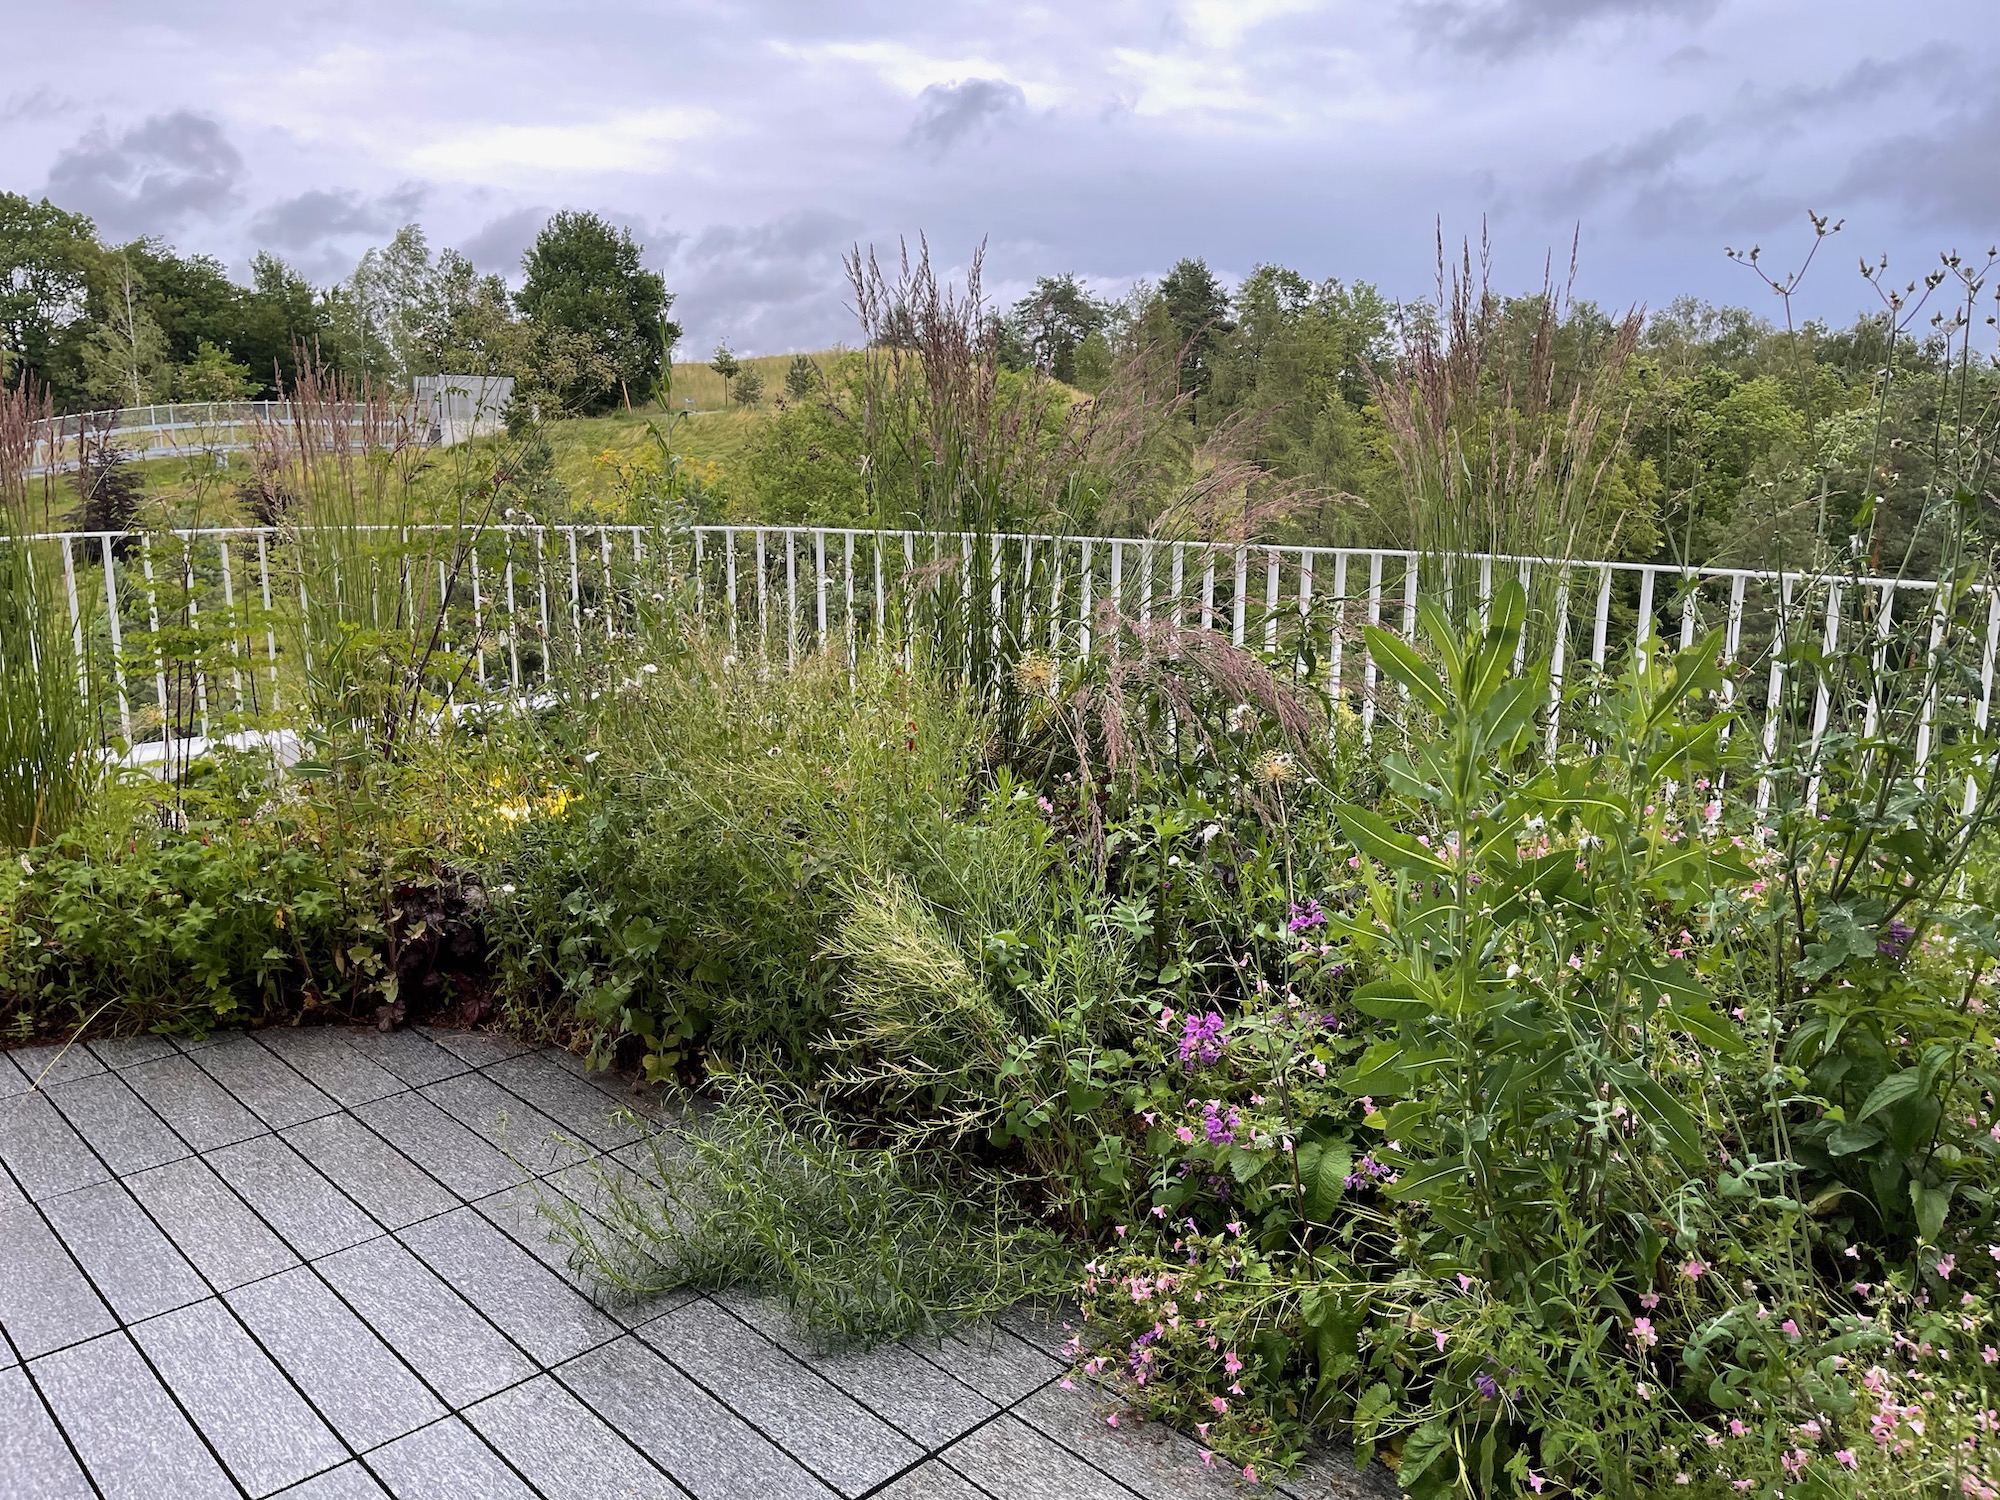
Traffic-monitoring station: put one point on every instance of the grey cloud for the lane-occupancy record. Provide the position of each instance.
(1944, 177)
(765, 286)
(151, 179)
(500, 243)
(312, 218)
(37, 104)
(948, 112)
(1500, 29)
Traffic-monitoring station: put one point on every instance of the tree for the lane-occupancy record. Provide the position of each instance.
(212, 376)
(191, 298)
(125, 354)
(749, 388)
(1054, 320)
(48, 259)
(801, 376)
(583, 277)
(1197, 309)
(726, 365)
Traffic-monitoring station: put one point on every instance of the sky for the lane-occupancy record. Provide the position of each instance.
(749, 144)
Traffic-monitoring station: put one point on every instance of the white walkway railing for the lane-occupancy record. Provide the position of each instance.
(211, 606)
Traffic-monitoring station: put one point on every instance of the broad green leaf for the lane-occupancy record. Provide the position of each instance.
(1422, 1180)
(1393, 999)
(1660, 1108)
(1892, 1090)
(1375, 839)
(1930, 1204)
(1324, 1167)
(1398, 659)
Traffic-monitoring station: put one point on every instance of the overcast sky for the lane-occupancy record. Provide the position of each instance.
(750, 142)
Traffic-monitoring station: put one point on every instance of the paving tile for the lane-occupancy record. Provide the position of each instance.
(45, 1301)
(931, 1480)
(369, 1170)
(550, 1320)
(314, 1217)
(474, 1048)
(626, 1090)
(129, 1051)
(711, 1452)
(1008, 1457)
(39, 1148)
(348, 1482)
(10, 1196)
(227, 1242)
(192, 1044)
(1045, 1328)
(410, 1055)
(267, 1435)
(892, 1380)
(117, 1123)
(263, 1082)
(450, 1152)
(134, 1441)
(566, 1453)
(135, 1268)
(12, 1079)
(522, 1132)
(516, 1213)
(198, 1107)
(1149, 1457)
(350, 1375)
(456, 1350)
(992, 1361)
(322, 1054)
(446, 1461)
(821, 1426)
(34, 1459)
(52, 1063)
(579, 1107)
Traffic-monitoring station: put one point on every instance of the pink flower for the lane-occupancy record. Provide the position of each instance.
(1694, 1270)
(1846, 1459)
(1250, 1472)
(1112, 1420)
(1218, 1405)
(1439, 1334)
(1231, 1363)
(1535, 1481)
(1121, 1230)
(1186, 1135)
(1946, 1265)
(1990, 1355)
(1207, 1459)
(1464, 1282)
(1642, 1333)
(1650, 1300)
(1791, 1328)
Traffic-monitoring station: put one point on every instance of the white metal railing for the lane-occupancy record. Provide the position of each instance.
(529, 593)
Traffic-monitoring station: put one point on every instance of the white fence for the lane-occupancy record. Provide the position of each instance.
(529, 594)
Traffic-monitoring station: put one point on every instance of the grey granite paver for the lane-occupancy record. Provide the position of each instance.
(566, 1451)
(322, 1054)
(263, 1082)
(394, 1189)
(135, 1443)
(130, 1051)
(549, 1319)
(291, 1195)
(518, 1129)
(1008, 1457)
(267, 1435)
(932, 1480)
(394, 1322)
(34, 1459)
(52, 1063)
(992, 1361)
(132, 1264)
(820, 1425)
(368, 1394)
(462, 1356)
(45, 1155)
(709, 1450)
(893, 1380)
(212, 1227)
(45, 1301)
(575, 1104)
(195, 1105)
(348, 1482)
(116, 1123)
(474, 1048)
(447, 1150)
(410, 1055)
(446, 1461)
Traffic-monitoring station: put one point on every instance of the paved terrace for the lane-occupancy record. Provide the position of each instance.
(307, 1263)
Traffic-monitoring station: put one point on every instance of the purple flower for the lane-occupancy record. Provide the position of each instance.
(1202, 1040)
(1308, 916)
(1895, 939)
(1366, 1172)
(1488, 1386)
(1219, 1123)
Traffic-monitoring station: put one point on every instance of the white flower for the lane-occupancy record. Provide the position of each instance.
(591, 759)
(507, 890)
